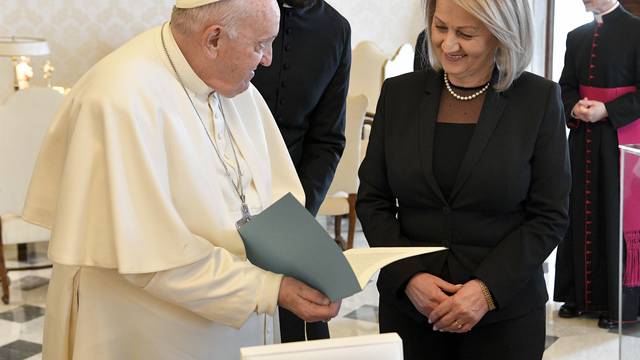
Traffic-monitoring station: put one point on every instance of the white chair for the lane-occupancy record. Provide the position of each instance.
(341, 198)
(24, 120)
(370, 347)
(401, 62)
(367, 62)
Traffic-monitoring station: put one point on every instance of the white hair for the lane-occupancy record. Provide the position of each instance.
(509, 21)
(226, 13)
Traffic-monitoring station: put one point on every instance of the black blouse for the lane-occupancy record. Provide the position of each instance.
(450, 144)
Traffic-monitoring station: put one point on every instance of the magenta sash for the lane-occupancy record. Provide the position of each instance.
(629, 134)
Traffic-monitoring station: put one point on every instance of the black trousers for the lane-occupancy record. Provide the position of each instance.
(520, 338)
(292, 328)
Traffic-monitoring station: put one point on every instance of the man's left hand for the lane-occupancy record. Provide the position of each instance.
(462, 311)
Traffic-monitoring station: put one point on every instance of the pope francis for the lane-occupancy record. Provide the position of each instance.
(159, 152)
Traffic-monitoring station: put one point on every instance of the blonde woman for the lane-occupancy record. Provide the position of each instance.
(470, 155)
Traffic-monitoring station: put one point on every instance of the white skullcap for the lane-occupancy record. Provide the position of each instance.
(188, 4)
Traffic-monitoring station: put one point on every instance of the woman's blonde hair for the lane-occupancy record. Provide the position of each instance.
(509, 21)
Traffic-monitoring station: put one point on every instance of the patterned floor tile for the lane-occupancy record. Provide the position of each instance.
(19, 350)
(34, 259)
(365, 313)
(549, 340)
(31, 282)
(22, 313)
(629, 330)
(344, 327)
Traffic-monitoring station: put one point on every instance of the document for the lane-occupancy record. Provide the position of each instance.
(286, 239)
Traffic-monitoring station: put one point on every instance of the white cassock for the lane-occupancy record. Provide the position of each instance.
(147, 260)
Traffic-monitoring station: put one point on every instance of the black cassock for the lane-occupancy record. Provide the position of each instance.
(604, 55)
(306, 90)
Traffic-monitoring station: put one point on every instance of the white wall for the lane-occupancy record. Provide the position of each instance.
(569, 15)
(388, 23)
(80, 32)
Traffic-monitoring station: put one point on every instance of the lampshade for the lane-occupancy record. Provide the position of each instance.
(23, 46)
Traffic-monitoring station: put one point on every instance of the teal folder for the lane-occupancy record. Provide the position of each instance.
(286, 239)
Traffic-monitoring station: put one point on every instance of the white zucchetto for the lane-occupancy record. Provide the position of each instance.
(188, 4)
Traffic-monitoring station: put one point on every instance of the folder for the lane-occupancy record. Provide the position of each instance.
(286, 239)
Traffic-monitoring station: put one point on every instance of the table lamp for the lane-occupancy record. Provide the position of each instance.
(19, 49)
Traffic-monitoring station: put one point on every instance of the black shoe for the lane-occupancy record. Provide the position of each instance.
(605, 323)
(568, 310)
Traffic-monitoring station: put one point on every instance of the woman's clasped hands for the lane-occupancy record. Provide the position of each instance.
(449, 307)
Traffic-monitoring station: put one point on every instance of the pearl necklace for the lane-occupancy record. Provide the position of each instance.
(464, 98)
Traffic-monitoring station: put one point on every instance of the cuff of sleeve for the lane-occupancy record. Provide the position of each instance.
(573, 123)
(500, 298)
(491, 303)
(268, 294)
(401, 272)
(613, 117)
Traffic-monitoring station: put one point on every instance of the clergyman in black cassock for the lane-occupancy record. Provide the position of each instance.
(420, 60)
(306, 89)
(602, 55)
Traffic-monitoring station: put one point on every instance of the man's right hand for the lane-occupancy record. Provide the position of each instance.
(307, 303)
(427, 291)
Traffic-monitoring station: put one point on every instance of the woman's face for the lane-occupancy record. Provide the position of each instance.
(462, 44)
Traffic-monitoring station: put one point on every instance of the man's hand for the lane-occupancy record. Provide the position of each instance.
(307, 303)
(462, 311)
(589, 110)
(427, 291)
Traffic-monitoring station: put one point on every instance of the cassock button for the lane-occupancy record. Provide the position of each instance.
(287, 47)
(446, 210)
(286, 66)
(282, 102)
(289, 31)
(283, 84)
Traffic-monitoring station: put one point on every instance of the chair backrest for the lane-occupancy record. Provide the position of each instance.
(370, 347)
(367, 62)
(24, 120)
(346, 176)
(401, 62)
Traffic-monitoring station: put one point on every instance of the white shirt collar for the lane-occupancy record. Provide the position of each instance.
(599, 17)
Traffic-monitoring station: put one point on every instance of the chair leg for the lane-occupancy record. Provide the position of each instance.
(3, 271)
(352, 221)
(337, 227)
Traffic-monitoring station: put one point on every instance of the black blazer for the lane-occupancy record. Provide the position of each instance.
(507, 210)
(306, 90)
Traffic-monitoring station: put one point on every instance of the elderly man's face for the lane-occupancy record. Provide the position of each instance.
(462, 44)
(239, 56)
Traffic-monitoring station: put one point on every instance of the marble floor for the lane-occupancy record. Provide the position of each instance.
(21, 321)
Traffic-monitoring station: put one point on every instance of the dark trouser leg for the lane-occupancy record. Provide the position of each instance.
(292, 328)
(521, 338)
(419, 341)
(564, 288)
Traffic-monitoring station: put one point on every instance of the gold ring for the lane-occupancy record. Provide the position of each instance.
(457, 324)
